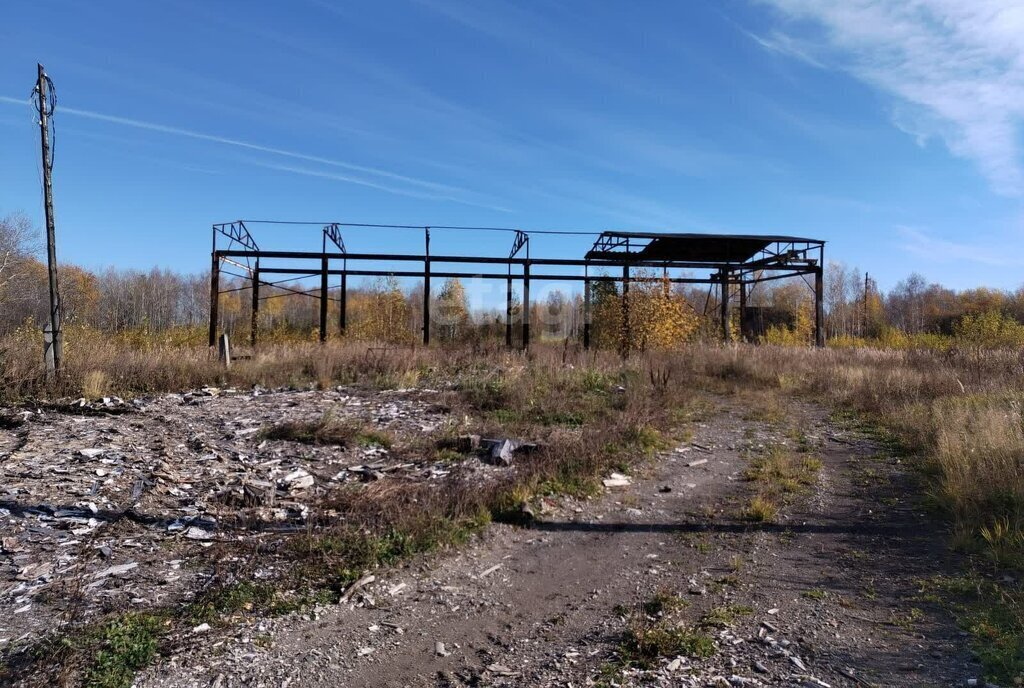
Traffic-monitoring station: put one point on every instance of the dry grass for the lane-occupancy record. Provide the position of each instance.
(960, 412)
(591, 414)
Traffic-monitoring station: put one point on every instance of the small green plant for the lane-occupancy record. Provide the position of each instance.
(663, 603)
(373, 438)
(128, 643)
(645, 642)
(724, 617)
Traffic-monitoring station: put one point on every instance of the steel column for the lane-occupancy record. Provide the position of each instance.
(743, 309)
(625, 311)
(426, 287)
(726, 333)
(343, 300)
(526, 305)
(586, 309)
(324, 292)
(214, 295)
(508, 308)
(255, 316)
(819, 306)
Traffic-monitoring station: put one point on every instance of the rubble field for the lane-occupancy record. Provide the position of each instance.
(108, 505)
(116, 505)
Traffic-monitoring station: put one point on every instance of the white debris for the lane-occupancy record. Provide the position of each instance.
(489, 571)
(299, 479)
(196, 533)
(116, 570)
(617, 480)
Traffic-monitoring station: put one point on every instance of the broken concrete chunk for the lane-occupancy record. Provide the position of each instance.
(617, 480)
(196, 533)
(299, 479)
(116, 570)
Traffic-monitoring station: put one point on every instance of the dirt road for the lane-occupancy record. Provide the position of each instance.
(824, 595)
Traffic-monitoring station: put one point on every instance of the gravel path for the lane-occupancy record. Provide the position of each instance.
(825, 595)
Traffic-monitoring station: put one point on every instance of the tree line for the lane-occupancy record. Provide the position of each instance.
(655, 313)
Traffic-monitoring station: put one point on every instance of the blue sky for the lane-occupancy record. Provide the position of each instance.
(889, 128)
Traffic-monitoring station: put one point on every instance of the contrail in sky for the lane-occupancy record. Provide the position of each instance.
(177, 131)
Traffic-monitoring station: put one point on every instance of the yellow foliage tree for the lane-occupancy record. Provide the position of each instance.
(652, 316)
(382, 314)
(452, 312)
(800, 333)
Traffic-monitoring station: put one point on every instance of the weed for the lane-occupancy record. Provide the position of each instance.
(643, 643)
(127, 644)
(761, 510)
(724, 617)
(662, 603)
(95, 384)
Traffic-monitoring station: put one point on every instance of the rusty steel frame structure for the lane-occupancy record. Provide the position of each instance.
(737, 263)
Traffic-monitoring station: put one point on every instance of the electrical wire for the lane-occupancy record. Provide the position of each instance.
(49, 108)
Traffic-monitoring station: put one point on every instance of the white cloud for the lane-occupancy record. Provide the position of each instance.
(959, 63)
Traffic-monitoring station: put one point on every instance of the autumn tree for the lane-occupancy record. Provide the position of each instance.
(381, 313)
(650, 316)
(451, 312)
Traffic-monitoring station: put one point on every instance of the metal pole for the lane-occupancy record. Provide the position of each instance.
(426, 287)
(508, 308)
(214, 293)
(726, 334)
(323, 292)
(51, 232)
(586, 307)
(819, 306)
(526, 305)
(625, 334)
(343, 299)
(255, 324)
(743, 310)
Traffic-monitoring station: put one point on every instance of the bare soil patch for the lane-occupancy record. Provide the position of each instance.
(826, 592)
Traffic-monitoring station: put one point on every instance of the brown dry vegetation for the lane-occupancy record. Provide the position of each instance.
(958, 414)
(961, 412)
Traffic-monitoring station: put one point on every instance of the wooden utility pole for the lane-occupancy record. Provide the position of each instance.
(44, 93)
